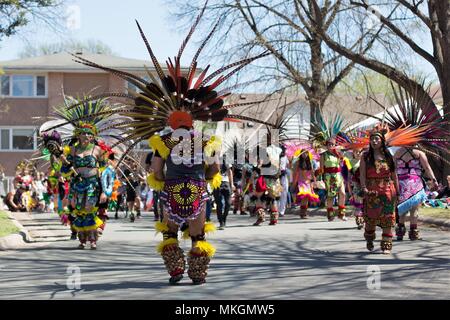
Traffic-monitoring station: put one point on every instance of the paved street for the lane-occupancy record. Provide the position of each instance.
(297, 259)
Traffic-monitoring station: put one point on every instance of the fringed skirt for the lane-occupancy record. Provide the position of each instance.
(85, 222)
(184, 199)
(412, 193)
(305, 191)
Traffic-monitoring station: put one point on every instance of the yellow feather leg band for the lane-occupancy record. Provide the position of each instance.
(205, 247)
(216, 181)
(154, 183)
(209, 227)
(157, 144)
(166, 243)
(161, 227)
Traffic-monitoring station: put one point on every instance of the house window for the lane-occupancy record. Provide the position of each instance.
(40, 86)
(23, 86)
(23, 139)
(5, 137)
(14, 139)
(5, 85)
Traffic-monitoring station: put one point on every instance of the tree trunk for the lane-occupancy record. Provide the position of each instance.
(439, 12)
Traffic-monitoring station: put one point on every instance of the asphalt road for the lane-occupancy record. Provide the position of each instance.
(296, 259)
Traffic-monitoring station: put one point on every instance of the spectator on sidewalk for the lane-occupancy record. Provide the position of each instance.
(15, 201)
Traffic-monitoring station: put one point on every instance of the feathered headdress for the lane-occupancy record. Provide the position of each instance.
(89, 116)
(176, 99)
(400, 137)
(414, 117)
(326, 129)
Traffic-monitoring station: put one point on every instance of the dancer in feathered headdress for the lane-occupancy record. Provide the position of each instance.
(303, 179)
(379, 184)
(349, 141)
(413, 110)
(84, 160)
(331, 161)
(177, 100)
(52, 150)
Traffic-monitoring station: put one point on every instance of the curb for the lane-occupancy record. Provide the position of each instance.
(435, 221)
(15, 240)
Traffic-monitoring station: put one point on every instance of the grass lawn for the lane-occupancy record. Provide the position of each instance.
(6, 226)
(435, 213)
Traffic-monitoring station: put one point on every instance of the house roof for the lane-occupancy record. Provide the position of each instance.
(64, 62)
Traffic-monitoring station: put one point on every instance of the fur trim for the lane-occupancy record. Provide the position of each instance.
(213, 145)
(154, 183)
(161, 227)
(161, 246)
(205, 247)
(215, 181)
(157, 144)
(209, 227)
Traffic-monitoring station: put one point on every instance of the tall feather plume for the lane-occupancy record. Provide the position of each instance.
(152, 55)
(191, 31)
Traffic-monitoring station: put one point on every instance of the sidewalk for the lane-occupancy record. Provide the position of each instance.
(15, 240)
(34, 227)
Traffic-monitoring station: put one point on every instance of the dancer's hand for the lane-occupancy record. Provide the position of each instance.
(103, 198)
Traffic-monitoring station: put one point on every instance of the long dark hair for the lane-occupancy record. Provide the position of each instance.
(304, 163)
(370, 158)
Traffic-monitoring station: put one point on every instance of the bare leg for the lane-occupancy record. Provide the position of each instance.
(304, 208)
(413, 231)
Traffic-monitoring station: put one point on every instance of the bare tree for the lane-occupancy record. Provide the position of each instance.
(433, 16)
(15, 14)
(437, 21)
(300, 61)
(89, 46)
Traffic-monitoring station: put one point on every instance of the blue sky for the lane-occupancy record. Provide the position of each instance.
(113, 22)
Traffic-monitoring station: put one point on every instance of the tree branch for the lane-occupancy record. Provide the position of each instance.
(413, 45)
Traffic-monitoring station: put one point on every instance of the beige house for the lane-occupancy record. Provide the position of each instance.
(32, 87)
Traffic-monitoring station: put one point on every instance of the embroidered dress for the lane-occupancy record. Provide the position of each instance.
(85, 190)
(379, 203)
(412, 192)
(332, 174)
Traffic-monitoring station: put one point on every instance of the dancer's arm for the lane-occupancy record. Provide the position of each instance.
(230, 178)
(362, 174)
(158, 167)
(428, 171)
